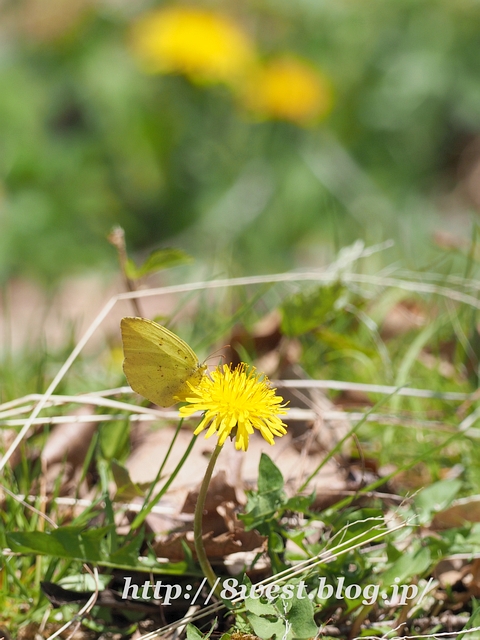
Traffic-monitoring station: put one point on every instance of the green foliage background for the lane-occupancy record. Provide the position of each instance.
(88, 141)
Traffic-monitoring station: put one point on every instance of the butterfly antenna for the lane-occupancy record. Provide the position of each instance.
(214, 354)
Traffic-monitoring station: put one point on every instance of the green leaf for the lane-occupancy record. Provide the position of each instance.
(157, 261)
(393, 554)
(64, 542)
(193, 633)
(300, 503)
(81, 544)
(128, 554)
(436, 497)
(304, 312)
(266, 617)
(150, 563)
(297, 537)
(341, 342)
(84, 582)
(411, 563)
(35, 542)
(266, 629)
(411, 356)
(260, 509)
(361, 524)
(301, 618)
(114, 438)
(260, 608)
(269, 476)
(474, 621)
(263, 505)
(276, 542)
(126, 488)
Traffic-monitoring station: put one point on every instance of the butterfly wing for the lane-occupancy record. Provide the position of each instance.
(157, 362)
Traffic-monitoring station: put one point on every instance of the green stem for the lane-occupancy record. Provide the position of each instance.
(197, 524)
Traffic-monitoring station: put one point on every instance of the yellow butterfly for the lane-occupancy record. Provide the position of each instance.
(158, 364)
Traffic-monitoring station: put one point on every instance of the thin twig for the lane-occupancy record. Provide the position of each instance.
(117, 239)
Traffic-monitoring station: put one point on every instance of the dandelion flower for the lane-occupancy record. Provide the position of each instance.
(288, 88)
(201, 44)
(235, 402)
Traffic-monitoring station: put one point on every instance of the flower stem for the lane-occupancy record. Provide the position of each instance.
(197, 524)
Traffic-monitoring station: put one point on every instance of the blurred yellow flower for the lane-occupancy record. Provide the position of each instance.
(202, 44)
(288, 88)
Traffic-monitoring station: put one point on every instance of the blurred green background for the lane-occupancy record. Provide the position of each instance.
(92, 134)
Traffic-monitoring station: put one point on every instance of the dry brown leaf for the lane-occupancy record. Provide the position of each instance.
(460, 512)
(414, 478)
(402, 318)
(216, 547)
(472, 579)
(224, 533)
(219, 491)
(70, 441)
(449, 572)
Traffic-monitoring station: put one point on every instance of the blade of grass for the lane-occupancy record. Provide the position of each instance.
(138, 521)
(341, 442)
(411, 355)
(153, 484)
